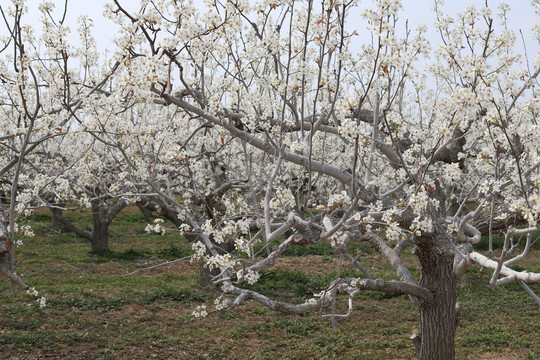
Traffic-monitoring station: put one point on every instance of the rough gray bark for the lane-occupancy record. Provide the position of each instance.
(100, 227)
(55, 223)
(206, 275)
(438, 318)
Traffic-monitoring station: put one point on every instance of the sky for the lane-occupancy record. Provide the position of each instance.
(417, 11)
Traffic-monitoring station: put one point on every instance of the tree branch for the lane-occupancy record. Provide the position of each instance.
(70, 226)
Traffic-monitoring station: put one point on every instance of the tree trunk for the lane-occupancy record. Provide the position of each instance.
(7, 267)
(102, 216)
(100, 236)
(145, 211)
(438, 318)
(55, 223)
(100, 227)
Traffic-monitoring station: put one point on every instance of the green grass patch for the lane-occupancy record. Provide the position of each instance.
(294, 285)
(167, 293)
(87, 302)
(492, 338)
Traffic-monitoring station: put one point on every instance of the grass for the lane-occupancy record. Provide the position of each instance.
(94, 311)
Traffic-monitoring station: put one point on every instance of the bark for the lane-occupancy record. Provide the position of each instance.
(244, 295)
(394, 260)
(509, 274)
(391, 257)
(206, 275)
(388, 287)
(100, 227)
(438, 318)
(55, 223)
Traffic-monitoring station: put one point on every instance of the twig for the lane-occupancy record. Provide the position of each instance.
(158, 265)
(20, 261)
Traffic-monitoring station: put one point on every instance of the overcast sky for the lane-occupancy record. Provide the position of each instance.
(417, 11)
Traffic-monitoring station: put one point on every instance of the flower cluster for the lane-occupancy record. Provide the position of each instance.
(221, 303)
(282, 201)
(183, 229)
(419, 201)
(242, 245)
(157, 227)
(200, 312)
(251, 277)
(338, 200)
(226, 261)
(42, 301)
(351, 129)
(199, 249)
(338, 240)
(421, 225)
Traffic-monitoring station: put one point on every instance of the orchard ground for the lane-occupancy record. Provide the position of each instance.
(94, 312)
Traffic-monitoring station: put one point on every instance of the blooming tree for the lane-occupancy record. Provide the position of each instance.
(44, 83)
(94, 181)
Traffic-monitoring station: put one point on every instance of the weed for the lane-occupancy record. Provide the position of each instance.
(25, 341)
(297, 250)
(535, 355)
(229, 315)
(498, 242)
